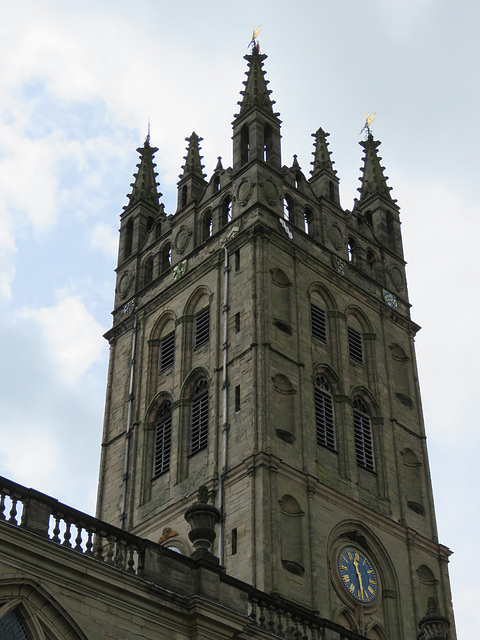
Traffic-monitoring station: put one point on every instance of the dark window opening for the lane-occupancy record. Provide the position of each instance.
(390, 229)
(319, 323)
(201, 327)
(227, 210)
(129, 239)
(308, 221)
(267, 143)
(207, 224)
(324, 413)
(167, 351)
(351, 248)
(355, 345)
(244, 145)
(158, 230)
(216, 183)
(237, 398)
(234, 541)
(148, 271)
(298, 180)
(363, 435)
(331, 191)
(163, 436)
(371, 262)
(150, 223)
(199, 417)
(237, 323)
(166, 256)
(237, 260)
(184, 195)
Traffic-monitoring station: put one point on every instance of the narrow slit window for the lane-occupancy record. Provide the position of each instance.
(237, 398)
(319, 323)
(234, 541)
(237, 260)
(355, 345)
(167, 351)
(237, 323)
(201, 327)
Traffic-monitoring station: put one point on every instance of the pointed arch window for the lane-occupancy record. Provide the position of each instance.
(167, 352)
(163, 438)
(355, 345)
(216, 183)
(308, 217)
(227, 210)
(201, 327)
(166, 256)
(184, 195)
(324, 413)
(363, 435)
(207, 225)
(12, 627)
(128, 239)
(319, 323)
(267, 143)
(244, 145)
(287, 208)
(199, 416)
(148, 270)
(351, 248)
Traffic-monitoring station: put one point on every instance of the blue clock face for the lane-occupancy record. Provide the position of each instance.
(357, 574)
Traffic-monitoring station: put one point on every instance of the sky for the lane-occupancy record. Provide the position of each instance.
(79, 83)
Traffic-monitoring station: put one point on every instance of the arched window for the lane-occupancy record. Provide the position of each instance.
(150, 223)
(244, 145)
(355, 344)
(12, 627)
(184, 195)
(227, 210)
(308, 220)
(128, 239)
(207, 225)
(158, 230)
(148, 270)
(163, 437)
(216, 183)
(292, 539)
(351, 248)
(199, 416)
(298, 180)
(363, 435)
(331, 191)
(166, 256)
(287, 208)
(267, 143)
(324, 413)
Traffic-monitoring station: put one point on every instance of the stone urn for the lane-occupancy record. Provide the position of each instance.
(202, 518)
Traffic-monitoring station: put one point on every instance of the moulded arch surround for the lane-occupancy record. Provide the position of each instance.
(191, 380)
(154, 406)
(160, 324)
(344, 616)
(332, 377)
(194, 299)
(40, 609)
(361, 318)
(323, 291)
(368, 398)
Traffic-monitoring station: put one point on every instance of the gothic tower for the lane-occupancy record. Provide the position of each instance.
(262, 346)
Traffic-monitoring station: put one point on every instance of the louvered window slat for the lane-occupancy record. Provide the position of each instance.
(355, 345)
(319, 323)
(363, 437)
(199, 417)
(167, 351)
(201, 327)
(324, 414)
(163, 436)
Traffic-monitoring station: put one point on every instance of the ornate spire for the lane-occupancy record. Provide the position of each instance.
(193, 159)
(373, 180)
(144, 189)
(321, 155)
(256, 92)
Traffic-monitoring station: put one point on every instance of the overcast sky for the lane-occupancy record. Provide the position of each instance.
(79, 82)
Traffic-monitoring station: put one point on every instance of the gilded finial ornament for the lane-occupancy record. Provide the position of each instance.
(369, 118)
(254, 42)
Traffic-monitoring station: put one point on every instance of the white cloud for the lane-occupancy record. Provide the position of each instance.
(74, 337)
(105, 238)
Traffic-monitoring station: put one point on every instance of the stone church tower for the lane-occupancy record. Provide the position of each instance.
(262, 346)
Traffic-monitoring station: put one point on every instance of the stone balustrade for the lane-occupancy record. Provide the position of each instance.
(72, 530)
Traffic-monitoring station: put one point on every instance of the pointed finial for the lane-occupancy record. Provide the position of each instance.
(254, 42)
(369, 118)
(147, 139)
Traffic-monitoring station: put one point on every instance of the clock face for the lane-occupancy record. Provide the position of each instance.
(357, 574)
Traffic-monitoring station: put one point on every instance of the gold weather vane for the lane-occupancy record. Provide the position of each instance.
(254, 42)
(369, 118)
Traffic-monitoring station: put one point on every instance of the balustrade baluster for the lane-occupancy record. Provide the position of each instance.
(78, 539)
(253, 610)
(89, 543)
(110, 550)
(13, 511)
(280, 614)
(67, 535)
(131, 558)
(271, 618)
(56, 529)
(120, 554)
(98, 547)
(2, 507)
(261, 617)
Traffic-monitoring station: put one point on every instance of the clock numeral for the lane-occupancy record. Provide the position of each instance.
(351, 588)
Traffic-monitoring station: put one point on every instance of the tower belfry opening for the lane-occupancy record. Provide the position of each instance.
(262, 347)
